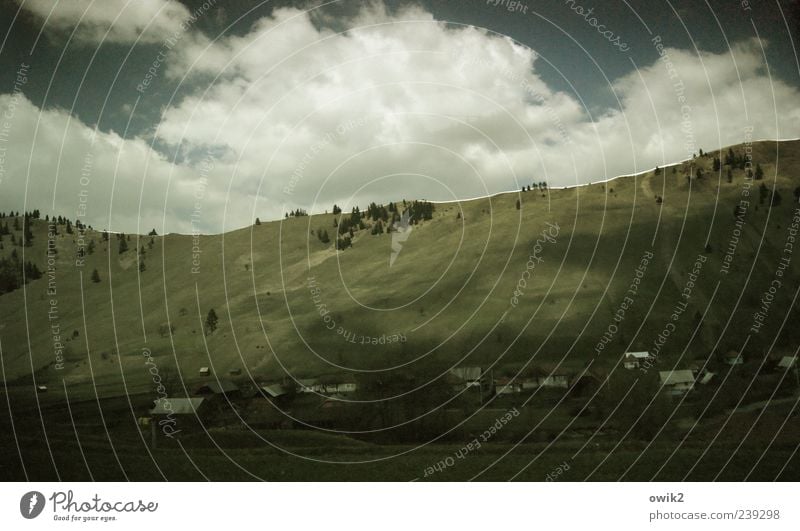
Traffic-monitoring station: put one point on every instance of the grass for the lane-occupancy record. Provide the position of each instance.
(447, 292)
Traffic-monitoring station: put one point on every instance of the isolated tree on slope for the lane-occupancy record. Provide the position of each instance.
(211, 321)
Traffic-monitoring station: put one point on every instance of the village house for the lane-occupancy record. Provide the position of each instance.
(329, 384)
(553, 376)
(787, 362)
(165, 407)
(171, 416)
(274, 390)
(733, 358)
(309, 385)
(468, 376)
(506, 386)
(556, 381)
(633, 360)
(338, 383)
(677, 382)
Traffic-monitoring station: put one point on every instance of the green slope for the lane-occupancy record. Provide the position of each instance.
(448, 292)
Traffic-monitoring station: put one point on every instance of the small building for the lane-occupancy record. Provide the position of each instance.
(41, 388)
(346, 387)
(707, 376)
(164, 407)
(204, 371)
(587, 382)
(337, 384)
(634, 360)
(275, 390)
(506, 386)
(677, 382)
(733, 358)
(309, 385)
(469, 376)
(787, 362)
(551, 375)
(557, 381)
(176, 415)
(220, 387)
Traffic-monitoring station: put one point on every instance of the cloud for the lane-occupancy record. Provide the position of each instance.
(294, 114)
(117, 21)
(52, 162)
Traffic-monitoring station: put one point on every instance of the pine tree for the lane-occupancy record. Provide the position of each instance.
(123, 245)
(95, 276)
(211, 321)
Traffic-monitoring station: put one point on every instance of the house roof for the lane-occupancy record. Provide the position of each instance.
(220, 387)
(707, 378)
(176, 406)
(637, 355)
(787, 362)
(676, 377)
(274, 390)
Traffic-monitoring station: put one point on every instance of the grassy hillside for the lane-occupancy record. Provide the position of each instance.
(541, 281)
(448, 292)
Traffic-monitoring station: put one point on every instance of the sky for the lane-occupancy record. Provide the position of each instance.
(203, 115)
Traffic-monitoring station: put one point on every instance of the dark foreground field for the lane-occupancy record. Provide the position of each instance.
(755, 446)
